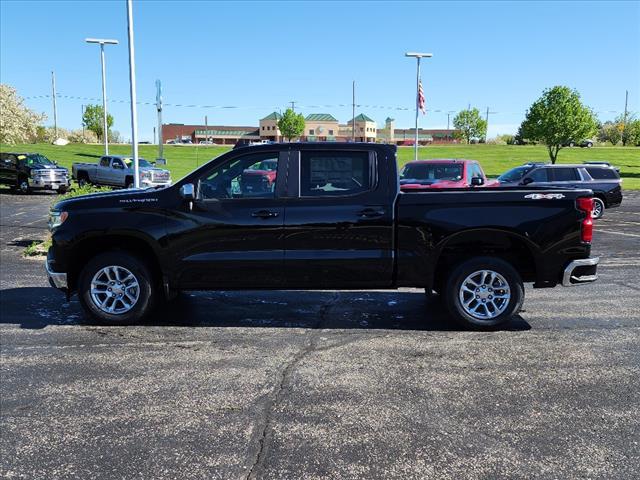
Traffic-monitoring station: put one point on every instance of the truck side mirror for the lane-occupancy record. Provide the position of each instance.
(477, 181)
(188, 191)
(526, 181)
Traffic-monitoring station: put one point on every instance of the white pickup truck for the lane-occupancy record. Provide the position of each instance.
(117, 171)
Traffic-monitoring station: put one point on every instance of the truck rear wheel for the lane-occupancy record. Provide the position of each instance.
(116, 288)
(484, 293)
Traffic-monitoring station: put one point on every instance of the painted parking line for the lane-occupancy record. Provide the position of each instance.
(618, 233)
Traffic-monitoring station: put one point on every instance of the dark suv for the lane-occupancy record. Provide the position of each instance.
(602, 178)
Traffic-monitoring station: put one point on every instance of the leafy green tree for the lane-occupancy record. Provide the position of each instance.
(18, 124)
(93, 119)
(632, 132)
(469, 124)
(557, 118)
(291, 124)
(623, 125)
(610, 132)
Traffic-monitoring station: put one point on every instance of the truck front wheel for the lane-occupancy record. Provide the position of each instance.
(484, 292)
(116, 288)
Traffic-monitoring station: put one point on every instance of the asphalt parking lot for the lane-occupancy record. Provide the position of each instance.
(293, 385)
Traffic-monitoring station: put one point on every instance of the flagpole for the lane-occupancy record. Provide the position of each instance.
(418, 56)
(417, 107)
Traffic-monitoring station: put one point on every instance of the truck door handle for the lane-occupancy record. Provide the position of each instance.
(264, 214)
(371, 212)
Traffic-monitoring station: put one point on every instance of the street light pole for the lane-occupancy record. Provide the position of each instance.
(105, 128)
(417, 56)
(132, 89)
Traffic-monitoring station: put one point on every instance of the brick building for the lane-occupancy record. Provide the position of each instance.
(319, 127)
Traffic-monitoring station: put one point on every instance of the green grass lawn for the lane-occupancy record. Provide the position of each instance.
(495, 159)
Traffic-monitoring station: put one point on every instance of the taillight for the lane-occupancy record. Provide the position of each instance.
(586, 205)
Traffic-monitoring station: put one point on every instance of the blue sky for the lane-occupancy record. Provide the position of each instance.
(257, 56)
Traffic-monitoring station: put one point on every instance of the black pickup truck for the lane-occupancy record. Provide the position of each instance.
(334, 218)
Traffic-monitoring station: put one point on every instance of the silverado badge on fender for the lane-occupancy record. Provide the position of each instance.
(544, 196)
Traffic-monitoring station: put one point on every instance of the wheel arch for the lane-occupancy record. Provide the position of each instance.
(520, 252)
(132, 244)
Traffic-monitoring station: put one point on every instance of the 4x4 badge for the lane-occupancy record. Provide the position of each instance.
(544, 196)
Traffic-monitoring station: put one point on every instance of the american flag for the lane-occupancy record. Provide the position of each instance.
(421, 105)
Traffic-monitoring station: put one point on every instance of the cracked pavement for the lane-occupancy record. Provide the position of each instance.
(287, 385)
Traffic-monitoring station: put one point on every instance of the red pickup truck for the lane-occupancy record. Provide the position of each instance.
(259, 179)
(443, 173)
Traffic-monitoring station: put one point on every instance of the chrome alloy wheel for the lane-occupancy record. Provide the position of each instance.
(484, 294)
(114, 290)
(598, 208)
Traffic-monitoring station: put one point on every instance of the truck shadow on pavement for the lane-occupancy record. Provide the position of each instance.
(39, 307)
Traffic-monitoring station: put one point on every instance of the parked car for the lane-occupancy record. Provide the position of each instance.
(117, 171)
(259, 178)
(32, 171)
(442, 173)
(604, 180)
(587, 143)
(336, 219)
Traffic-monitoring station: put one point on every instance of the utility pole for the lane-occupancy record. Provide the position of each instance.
(154, 134)
(55, 106)
(82, 120)
(486, 118)
(293, 105)
(132, 90)
(159, 109)
(448, 115)
(353, 111)
(206, 128)
(624, 124)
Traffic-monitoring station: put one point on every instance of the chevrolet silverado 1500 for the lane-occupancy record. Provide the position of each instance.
(334, 219)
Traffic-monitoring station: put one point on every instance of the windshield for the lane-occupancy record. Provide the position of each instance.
(432, 171)
(141, 163)
(35, 159)
(268, 165)
(514, 175)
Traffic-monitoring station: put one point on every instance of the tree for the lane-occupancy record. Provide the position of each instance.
(18, 124)
(291, 124)
(94, 121)
(632, 132)
(558, 118)
(469, 124)
(610, 132)
(623, 125)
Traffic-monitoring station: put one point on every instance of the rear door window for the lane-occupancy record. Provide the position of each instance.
(565, 174)
(603, 173)
(335, 173)
(539, 175)
(104, 162)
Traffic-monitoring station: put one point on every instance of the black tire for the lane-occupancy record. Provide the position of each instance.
(511, 306)
(147, 293)
(82, 181)
(22, 186)
(598, 208)
(62, 190)
(128, 183)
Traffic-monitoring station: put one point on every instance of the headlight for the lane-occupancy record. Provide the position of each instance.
(57, 218)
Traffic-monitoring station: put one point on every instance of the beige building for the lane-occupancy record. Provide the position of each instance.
(366, 128)
(320, 127)
(269, 127)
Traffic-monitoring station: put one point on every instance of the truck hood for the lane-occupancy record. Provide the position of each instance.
(46, 166)
(113, 199)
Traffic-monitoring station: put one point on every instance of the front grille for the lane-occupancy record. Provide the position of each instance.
(160, 176)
